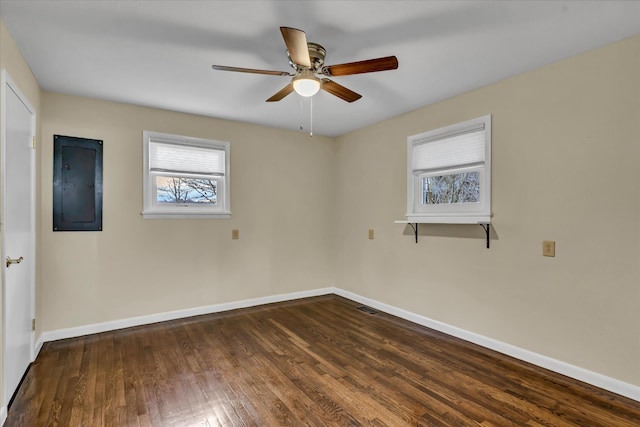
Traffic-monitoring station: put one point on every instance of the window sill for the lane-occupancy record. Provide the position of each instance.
(183, 215)
(444, 219)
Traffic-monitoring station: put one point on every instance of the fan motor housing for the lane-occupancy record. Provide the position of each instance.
(317, 54)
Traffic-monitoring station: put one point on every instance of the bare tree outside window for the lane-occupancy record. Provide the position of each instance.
(454, 188)
(186, 190)
(206, 190)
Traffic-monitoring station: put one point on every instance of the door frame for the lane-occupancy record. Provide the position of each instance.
(8, 84)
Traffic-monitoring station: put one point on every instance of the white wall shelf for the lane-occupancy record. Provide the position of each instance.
(486, 226)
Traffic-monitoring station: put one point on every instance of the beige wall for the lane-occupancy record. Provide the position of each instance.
(281, 201)
(12, 61)
(565, 152)
(566, 146)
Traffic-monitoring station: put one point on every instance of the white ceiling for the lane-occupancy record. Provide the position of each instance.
(159, 53)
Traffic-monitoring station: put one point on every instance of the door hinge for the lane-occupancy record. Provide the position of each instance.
(33, 324)
(33, 142)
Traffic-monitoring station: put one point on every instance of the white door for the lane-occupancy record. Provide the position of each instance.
(18, 234)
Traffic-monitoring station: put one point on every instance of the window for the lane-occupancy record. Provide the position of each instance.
(449, 174)
(185, 177)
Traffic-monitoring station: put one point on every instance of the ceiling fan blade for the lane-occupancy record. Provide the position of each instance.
(340, 91)
(250, 70)
(281, 93)
(367, 66)
(296, 41)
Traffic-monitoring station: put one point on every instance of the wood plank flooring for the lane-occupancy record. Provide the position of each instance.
(314, 362)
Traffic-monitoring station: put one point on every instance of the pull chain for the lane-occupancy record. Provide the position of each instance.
(302, 102)
(301, 114)
(311, 116)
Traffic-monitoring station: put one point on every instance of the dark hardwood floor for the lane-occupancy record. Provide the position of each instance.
(314, 362)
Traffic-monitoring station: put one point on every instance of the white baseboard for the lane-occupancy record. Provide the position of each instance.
(602, 381)
(95, 328)
(38, 346)
(3, 415)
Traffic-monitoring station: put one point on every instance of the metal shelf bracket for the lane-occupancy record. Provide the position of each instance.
(414, 225)
(487, 229)
(486, 226)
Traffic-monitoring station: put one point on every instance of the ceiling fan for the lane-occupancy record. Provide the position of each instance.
(307, 59)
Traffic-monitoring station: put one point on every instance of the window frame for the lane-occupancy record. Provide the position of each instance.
(154, 210)
(452, 213)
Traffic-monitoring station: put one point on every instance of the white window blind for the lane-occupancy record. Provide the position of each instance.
(184, 177)
(462, 149)
(442, 162)
(176, 158)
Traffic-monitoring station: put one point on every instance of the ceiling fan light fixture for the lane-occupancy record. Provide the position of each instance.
(307, 59)
(306, 84)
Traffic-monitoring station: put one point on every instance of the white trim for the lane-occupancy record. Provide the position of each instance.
(153, 210)
(178, 314)
(7, 81)
(445, 219)
(607, 383)
(468, 213)
(3, 415)
(469, 126)
(182, 215)
(37, 347)
(599, 380)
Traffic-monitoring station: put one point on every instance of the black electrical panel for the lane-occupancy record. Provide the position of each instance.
(77, 184)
